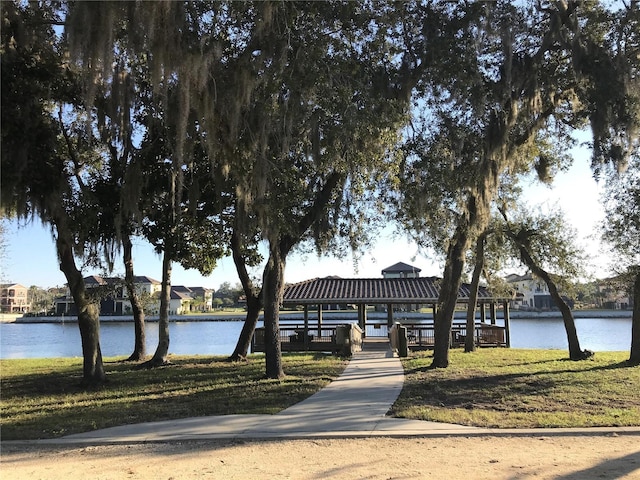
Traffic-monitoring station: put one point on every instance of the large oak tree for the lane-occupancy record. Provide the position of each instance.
(47, 152)
(500, 75)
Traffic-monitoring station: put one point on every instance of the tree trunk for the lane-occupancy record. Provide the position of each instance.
(634, 358)
(469, 341)
(254, 305)
(575, 352)
(273, 289)
(162, 351)
(88, 314)
(273, 277)
(139, 348)
(254, 301)
(448, 298)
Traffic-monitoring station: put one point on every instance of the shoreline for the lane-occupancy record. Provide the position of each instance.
(402, 317)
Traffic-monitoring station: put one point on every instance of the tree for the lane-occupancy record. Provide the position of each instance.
(621, 230)
(3, 246)
(293, 101)
(469, 342)
(334, 119)
(137, 303)
(545, 240)
(203, 67)
(217, 303)
(526, 73)
(242, 258)
(41, 300)
(45, 154)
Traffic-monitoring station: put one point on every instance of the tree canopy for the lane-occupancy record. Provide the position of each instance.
(221, 124)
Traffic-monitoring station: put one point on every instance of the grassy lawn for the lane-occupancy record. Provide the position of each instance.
(41, 398)
(512, 388)
(502, 388)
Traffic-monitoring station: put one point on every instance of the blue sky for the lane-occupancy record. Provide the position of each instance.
(31, 257)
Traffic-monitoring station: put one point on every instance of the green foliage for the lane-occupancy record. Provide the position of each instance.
(33, 80)
(41, 300)
(621, 228)
(547, 238)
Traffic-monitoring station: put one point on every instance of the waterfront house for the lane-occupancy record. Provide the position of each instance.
(14, 298)
(114, 298)
(530, 293)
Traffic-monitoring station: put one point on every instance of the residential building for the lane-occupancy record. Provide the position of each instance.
(401, 270)
(530, 293)
(190, 299)
(14, 298)
(115, 301)
(612, 293)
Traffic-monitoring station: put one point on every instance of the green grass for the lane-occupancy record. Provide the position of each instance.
(41, 398)
(500, 388)
(512, 388)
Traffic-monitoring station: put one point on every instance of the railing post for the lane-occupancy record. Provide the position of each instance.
(403, 350)
(393, 336)
(355, 338)
(343, 339)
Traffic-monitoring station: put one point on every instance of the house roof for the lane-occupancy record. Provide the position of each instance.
(372, 291)
(180, 295)
(145, 279)
(401, 267)
(200, 290)
(11, 285)
(180, 288)
(514, 277)
(95, 280)
(98, 280)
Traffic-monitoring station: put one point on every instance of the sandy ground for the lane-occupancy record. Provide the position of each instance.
(550, 457)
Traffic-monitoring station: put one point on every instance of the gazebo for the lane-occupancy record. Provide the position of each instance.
(385, 291)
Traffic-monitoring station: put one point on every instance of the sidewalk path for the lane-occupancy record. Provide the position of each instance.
(354, 405)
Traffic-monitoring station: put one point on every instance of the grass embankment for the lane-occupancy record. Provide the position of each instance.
(41, 398)
(512, 388)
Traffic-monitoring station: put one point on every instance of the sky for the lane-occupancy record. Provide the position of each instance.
(31, 257)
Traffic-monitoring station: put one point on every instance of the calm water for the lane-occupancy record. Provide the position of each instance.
(45, 340)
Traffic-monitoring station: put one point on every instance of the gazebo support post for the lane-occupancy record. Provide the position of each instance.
(492, 307)
(507, 324)
(319, 320)
(306, 322)
(362, 319)
(483, 313)
(389, 315)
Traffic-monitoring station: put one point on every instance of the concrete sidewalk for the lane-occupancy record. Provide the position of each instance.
(354, 405)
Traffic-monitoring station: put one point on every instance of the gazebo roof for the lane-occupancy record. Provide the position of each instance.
(373, 291)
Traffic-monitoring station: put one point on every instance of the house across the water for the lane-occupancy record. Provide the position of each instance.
(114, 299)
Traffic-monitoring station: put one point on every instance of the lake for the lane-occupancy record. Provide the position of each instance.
(48, 340)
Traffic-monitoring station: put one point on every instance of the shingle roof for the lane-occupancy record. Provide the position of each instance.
(178, 295)
(145, 279)
(372, 291)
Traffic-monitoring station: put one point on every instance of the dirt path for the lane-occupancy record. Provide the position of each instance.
(550, 457)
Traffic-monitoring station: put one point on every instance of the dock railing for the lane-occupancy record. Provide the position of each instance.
(339, 339)
(422, 337)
